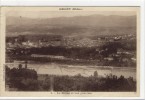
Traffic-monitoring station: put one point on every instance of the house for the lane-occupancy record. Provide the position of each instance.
(120, 51)
(133, 59)
(109, 58)
(125, 59)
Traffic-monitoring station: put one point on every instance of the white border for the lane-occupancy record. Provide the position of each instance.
(140, 3)
(71, 2)
(142, 50)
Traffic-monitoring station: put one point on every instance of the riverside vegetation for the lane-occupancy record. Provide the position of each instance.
(23, 79)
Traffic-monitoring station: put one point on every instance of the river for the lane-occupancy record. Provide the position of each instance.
(71, 70)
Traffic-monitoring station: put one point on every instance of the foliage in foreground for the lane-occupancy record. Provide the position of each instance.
(27, 80)
(80, 83)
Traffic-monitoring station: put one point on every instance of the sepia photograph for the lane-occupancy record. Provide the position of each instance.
(71, 49)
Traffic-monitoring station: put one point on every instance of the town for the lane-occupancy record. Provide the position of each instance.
(104, 50)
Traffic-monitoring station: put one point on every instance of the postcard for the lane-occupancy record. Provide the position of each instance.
(70, 51)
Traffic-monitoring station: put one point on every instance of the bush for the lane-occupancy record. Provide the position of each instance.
(80, 83)
(22, 78)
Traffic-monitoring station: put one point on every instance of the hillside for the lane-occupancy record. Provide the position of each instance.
(78, 25)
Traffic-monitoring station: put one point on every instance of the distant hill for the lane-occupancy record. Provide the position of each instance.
(78, 25)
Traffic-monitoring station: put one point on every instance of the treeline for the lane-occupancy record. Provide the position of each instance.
(23, 79)
(58, 51)
(92, 83)
(77, 52)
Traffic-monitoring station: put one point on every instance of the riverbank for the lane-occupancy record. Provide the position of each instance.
(71, 61)
(72, 70)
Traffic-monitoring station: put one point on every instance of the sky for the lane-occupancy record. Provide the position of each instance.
(54, 14)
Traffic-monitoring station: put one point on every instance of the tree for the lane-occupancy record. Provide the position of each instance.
(110, 48)
(22, 78)
(95, 74)
(20, 66)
